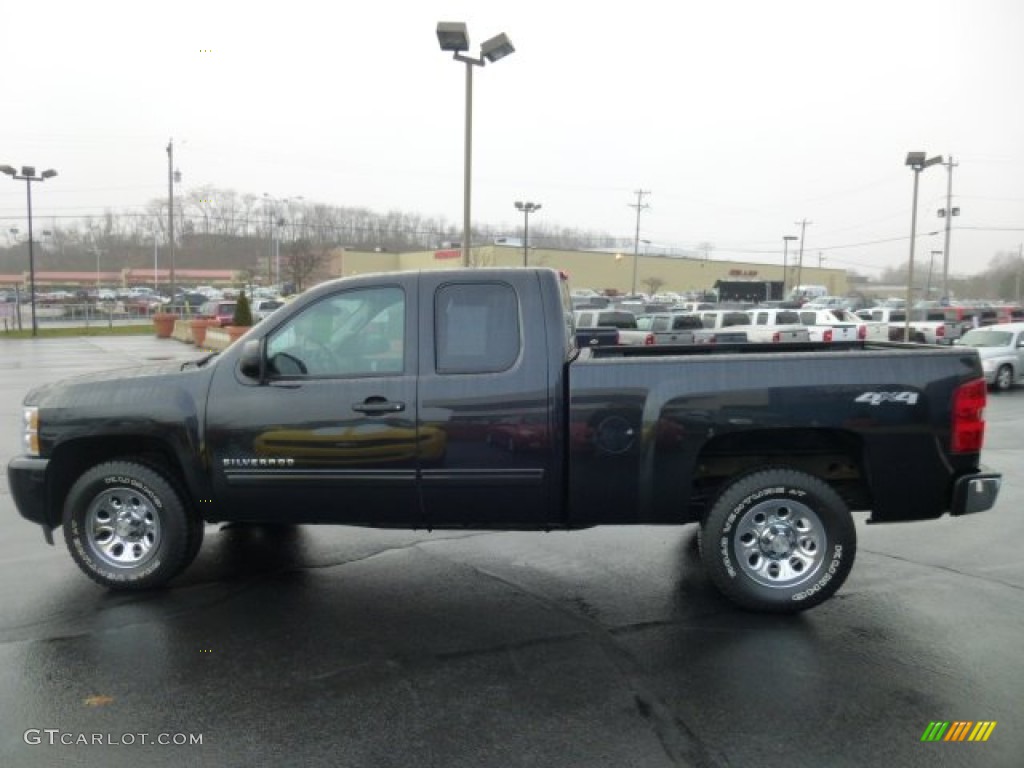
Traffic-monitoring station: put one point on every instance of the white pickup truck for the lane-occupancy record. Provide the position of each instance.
(756, 331)
(926, 326)
(822, 324)
(623, 321)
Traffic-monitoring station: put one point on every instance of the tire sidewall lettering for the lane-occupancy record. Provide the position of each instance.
(131, 482)
(830, 572)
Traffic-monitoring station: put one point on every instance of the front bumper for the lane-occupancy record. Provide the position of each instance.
(975, 492)
(26, 476)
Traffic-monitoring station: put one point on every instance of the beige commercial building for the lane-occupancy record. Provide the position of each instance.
(600, 271)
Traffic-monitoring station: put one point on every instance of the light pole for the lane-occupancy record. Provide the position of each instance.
(931, 264)
(785, 260)
(28, 175)
(275, 244)
(172, 176)
(452, 36)
(917, 161)
(527, 209)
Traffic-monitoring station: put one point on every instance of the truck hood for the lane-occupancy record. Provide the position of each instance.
(104, 385)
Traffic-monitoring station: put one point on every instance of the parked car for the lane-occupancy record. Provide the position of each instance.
(188, 303)
(221, 311)
(263, 308)
(1001, 349)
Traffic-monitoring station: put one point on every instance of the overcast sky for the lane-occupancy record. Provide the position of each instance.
(742, 117)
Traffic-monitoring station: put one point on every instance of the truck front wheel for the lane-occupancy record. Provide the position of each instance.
(127, 527)
(778, 541)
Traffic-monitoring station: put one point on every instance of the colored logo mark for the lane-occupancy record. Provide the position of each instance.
(959, 730)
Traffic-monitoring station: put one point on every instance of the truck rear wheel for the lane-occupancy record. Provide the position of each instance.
(127, 527)
(778, 541)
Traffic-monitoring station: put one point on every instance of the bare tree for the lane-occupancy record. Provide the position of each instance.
(653, 284)
(302, 262)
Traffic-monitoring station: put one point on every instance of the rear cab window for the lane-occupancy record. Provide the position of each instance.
(477, 328)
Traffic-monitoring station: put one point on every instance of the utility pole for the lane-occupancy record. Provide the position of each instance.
(1020, 263)
(949, 213)
(800, 261)
(640, 205)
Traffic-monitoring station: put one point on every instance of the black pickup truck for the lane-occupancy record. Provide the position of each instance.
(459, 399)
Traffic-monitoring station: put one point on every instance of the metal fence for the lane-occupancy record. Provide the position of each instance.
(15, 316)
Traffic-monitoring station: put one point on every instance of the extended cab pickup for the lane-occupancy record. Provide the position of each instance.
(760, 331)
(822, 325)
(620, 319)
(926, 326)
(459, 399)
(673, 327)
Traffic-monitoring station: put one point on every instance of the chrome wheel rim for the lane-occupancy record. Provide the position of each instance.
(1004, 378)
(122, 528)
(780, 543)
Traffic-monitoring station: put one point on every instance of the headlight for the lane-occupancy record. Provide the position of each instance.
(30, 430)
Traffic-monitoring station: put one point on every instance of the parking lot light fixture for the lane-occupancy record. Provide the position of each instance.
(917, 161)
(28, 175)
(453, 36)
(527, 209)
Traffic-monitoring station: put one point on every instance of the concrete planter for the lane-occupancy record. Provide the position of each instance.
(198, 327)
(236, 331)
(163, 324)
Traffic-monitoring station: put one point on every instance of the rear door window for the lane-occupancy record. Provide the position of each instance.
(477, 328)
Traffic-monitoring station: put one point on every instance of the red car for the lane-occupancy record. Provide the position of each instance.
(222, 311)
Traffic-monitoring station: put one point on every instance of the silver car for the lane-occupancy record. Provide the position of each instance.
(1001, 349)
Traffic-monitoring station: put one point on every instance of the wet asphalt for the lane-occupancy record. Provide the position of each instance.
(328, 646)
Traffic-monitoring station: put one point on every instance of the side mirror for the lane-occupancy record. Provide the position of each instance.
(250, 362)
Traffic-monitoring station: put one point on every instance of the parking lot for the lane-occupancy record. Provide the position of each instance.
(607, 647)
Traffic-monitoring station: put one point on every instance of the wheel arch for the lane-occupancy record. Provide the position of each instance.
(834, 456)
(70, 459)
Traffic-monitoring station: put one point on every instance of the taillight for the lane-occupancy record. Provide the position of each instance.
(940, 332)
(862, 332)
(776, 337)
(649, 339)
(968, 427)
(827, 336)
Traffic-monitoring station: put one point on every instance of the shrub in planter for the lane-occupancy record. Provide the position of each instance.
(243, 311)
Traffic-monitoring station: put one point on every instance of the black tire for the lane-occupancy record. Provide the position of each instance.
(1004, 379)
(127, 527)
(778, 541)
